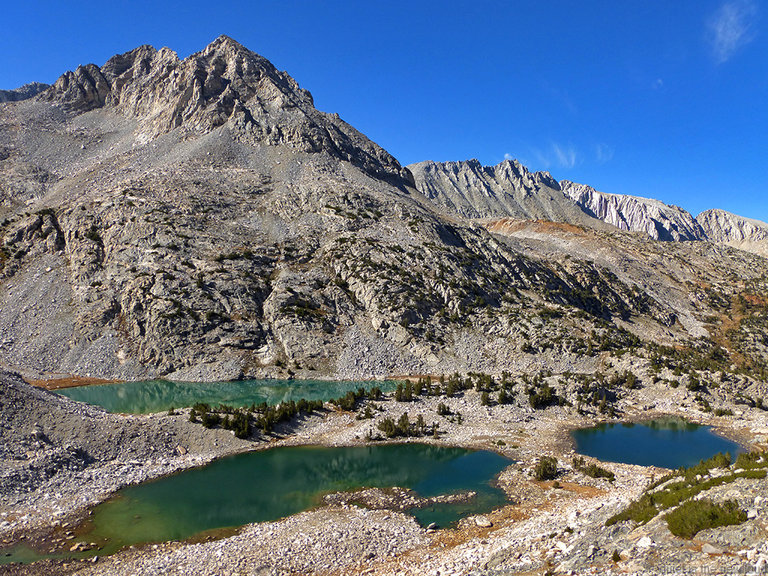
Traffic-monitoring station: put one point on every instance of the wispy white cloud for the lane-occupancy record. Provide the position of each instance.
(731, 27)
(508, 156)
(566, 156)
(603, 153)
(558, 155)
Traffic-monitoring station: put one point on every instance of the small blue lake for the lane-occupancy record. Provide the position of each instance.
(151, 396)
(663, 442)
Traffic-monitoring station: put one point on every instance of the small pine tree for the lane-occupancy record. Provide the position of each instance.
(421, 425)
(404, 425)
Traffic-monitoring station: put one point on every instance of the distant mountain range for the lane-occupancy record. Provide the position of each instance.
(509, 190)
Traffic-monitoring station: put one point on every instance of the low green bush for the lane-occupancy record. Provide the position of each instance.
(690, 482)
(546, 468)
(695, 515)
(592, 470)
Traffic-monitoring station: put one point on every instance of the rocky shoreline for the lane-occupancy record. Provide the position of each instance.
(547, 526)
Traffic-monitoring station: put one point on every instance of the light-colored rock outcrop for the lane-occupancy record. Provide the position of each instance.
(660, 221)
(737, 231)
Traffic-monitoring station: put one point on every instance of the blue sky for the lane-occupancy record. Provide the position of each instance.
(653, 98)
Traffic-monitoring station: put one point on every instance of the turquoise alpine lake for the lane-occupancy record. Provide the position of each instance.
(160, 395)
(663, 442)
(270, 484)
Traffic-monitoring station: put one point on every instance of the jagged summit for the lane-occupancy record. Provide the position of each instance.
(660, 221)
(23, 92)
(507, 190)
(225, 83)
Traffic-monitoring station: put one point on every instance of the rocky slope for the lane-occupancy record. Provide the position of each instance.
(58, 456)
(737, 231)
(507, 190)
(200, 219)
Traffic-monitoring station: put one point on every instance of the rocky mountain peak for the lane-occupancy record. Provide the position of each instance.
(737, 231)
(22, 92)
(513, 170)
(224, 84)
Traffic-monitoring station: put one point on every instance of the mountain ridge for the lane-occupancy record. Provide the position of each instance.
(508, 189)
(658, 220)
(738, 231)
(24, 92)
(198, 219)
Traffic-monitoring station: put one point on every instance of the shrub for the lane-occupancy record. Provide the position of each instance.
(404, 393)
(546, 468)
(542, 398)
(696, 515)
(93, 235)
(388, 427)
(210, 419)
(749, 460)
(404, 425)
(592, 470)
(691, 481)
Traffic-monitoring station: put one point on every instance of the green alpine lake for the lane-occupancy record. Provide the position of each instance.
(664, 442)
(270, 484)
(151, 396)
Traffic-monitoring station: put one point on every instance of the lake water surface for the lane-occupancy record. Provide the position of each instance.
(664, 442)
(151, 396)
(271, 484)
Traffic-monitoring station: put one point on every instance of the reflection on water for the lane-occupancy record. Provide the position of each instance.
(271, 484)
(665, 442)
(160, 395)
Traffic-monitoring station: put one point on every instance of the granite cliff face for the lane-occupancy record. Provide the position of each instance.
(737, 231)
(507, 190)
(660, 221)
(200, 219)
